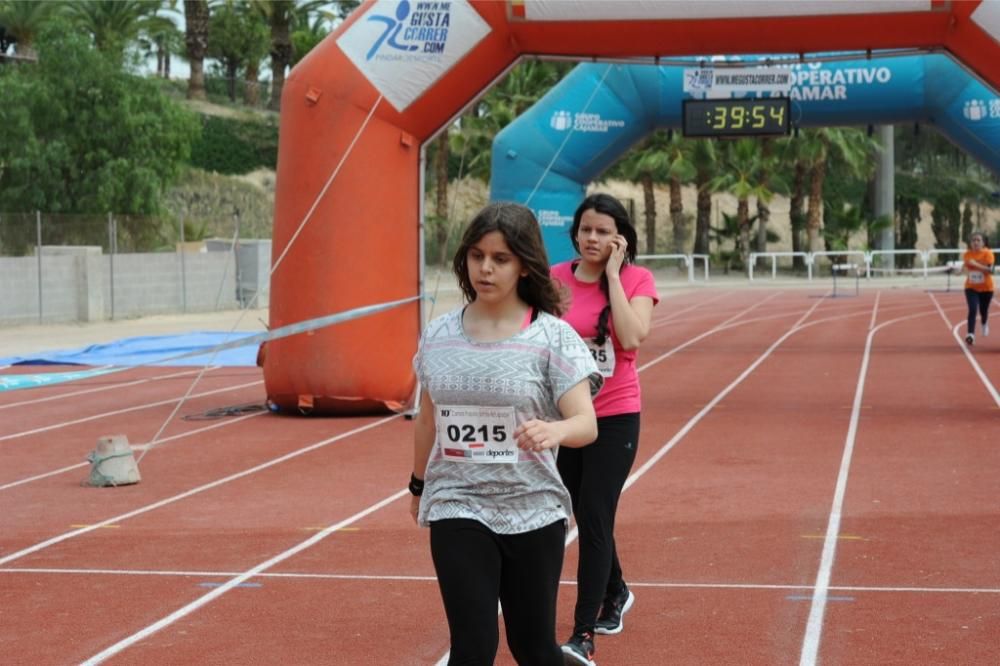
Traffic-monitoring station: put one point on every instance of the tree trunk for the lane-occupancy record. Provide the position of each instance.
(649, 199)
(196, 16)
(441, 195)
(281, 49)
(160, 65)
(704, 219)
(763, 211)
(232, 69)
(677, 216)
(743, 217)
(815, 216)
(251, 90)
(795, 213)
(763, 217)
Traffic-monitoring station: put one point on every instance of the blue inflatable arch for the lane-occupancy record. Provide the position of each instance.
(549, 154)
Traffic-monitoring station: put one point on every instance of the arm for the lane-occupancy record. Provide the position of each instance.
(423, 441)
(577, 428)
(631, 318)
(972, 263)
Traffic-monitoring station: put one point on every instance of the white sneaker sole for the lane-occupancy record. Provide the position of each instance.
(571, 658)
(621, 623)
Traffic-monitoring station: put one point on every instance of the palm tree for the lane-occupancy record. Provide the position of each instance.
(681, 170)
(849, 148)
(279, 18)
(842, 220)
(113, 23)
(703, 156)
(309, 30)
(743, 166)
(237, 38)
(161, 36)
(648, 163)
(196, 16)
(22, 20)
(526, 83)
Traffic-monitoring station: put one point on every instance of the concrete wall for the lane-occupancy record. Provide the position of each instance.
(77, 284)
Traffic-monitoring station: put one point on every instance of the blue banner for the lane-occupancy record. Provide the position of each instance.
(547, 156)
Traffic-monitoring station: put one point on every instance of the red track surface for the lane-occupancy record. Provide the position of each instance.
(800, 495)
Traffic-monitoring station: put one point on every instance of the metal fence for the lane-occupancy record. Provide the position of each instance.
(58, 268)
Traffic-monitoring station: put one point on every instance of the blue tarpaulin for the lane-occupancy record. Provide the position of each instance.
(150, 350)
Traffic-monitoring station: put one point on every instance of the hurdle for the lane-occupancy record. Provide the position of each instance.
(857, 278)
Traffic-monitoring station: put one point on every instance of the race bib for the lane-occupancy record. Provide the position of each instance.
(476, 434)
(604, 355)
(975, 277)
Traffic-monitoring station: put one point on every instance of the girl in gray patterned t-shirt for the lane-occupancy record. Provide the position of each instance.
(505, 383)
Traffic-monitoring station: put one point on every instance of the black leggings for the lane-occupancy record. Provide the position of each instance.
(476, 568)
(977, 300)
(595, 475)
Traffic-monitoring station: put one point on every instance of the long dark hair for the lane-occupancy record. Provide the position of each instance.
(524, 237)
(610, 206)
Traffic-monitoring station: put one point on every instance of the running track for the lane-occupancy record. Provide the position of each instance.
(818, 482)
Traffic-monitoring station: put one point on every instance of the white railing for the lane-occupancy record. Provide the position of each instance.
(874, 254)
(687, 259)
(774, 261)
(866, 257)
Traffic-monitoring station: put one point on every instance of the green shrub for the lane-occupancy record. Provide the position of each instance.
(232, 146)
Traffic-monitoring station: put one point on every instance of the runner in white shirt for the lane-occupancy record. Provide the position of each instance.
(505, 383)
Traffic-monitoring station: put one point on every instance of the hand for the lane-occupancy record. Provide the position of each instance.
(617, 257)
(414, 507)
(535, 435)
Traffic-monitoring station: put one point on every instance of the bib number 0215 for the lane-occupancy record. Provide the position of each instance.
(475, 434)
(470, 433)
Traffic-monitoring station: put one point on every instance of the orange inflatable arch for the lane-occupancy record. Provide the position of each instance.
(358, 109)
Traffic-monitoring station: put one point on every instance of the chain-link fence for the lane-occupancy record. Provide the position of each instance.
(59, 268)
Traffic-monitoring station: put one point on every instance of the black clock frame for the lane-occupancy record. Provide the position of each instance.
(691, 107)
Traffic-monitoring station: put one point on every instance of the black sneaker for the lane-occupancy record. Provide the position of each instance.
(579, 650)
(970, 339)
(610, 619)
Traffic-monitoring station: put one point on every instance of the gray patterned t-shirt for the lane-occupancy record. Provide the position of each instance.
(529, 371)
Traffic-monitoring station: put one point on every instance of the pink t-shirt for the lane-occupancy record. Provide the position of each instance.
(621, 393)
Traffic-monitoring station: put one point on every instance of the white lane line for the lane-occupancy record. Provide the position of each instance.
(194, 491)
(170, 401)
(797, 326)
(699, 305)
(237, 580)
(992, 390)
(814, 625)
(97, 389)
(871, 322)
(211, 574)
(288, 575)
(725, 325)
(165, 439)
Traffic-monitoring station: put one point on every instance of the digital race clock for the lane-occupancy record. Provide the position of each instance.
(736, 117)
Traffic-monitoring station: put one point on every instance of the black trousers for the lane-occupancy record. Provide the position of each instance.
(977, 300)
(595, 475)
(476, 568)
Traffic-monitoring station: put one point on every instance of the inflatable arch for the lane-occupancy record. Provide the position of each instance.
(358, 109)
(599, 110)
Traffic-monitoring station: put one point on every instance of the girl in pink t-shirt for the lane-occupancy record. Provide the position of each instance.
(610, 304)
